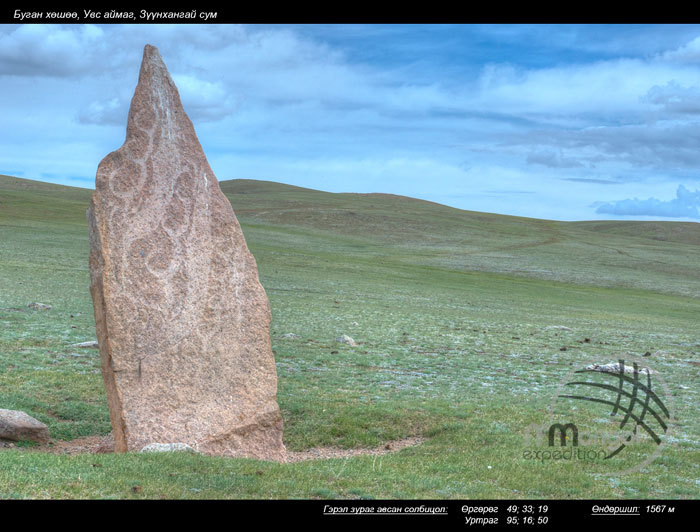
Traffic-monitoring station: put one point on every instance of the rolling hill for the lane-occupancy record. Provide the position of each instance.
(604, 253)
(660, 256)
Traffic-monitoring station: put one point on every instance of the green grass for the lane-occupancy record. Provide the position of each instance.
(452, 311)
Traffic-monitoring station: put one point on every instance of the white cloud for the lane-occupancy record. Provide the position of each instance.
(112, 111)
(51, 50)
(608, 89)
(688, 53)
(204, 100)
(675, 99)
(553, 159)
(686, 204)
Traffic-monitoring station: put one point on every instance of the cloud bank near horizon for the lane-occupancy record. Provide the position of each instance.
(686, 204)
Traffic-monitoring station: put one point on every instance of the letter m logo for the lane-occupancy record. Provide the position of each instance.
(562, 434)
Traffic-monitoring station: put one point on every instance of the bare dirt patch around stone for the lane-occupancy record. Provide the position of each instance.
(105, 444)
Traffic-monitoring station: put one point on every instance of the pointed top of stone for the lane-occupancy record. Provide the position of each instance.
(151, 52)
(154, 74)
(157, 101)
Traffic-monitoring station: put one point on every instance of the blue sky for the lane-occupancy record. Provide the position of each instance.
(562, 122)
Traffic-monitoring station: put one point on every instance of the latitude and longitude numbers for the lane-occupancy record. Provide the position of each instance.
(527, 514)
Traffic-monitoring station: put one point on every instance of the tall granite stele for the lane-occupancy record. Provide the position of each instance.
(183, 322)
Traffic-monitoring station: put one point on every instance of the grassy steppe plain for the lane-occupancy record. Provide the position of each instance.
(453, 311)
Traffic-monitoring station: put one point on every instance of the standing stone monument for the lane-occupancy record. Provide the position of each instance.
(183, 322)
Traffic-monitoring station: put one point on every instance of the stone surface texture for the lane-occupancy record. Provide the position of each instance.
(17, 425)
(183, 322)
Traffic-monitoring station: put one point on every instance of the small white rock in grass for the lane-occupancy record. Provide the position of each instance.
(291, 336)
(558, 328)
(614, 367)
(93, 344)
(345, 339)
(167, 448)
(39, 306)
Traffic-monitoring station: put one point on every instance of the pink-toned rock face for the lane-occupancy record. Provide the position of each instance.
(183, 322)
